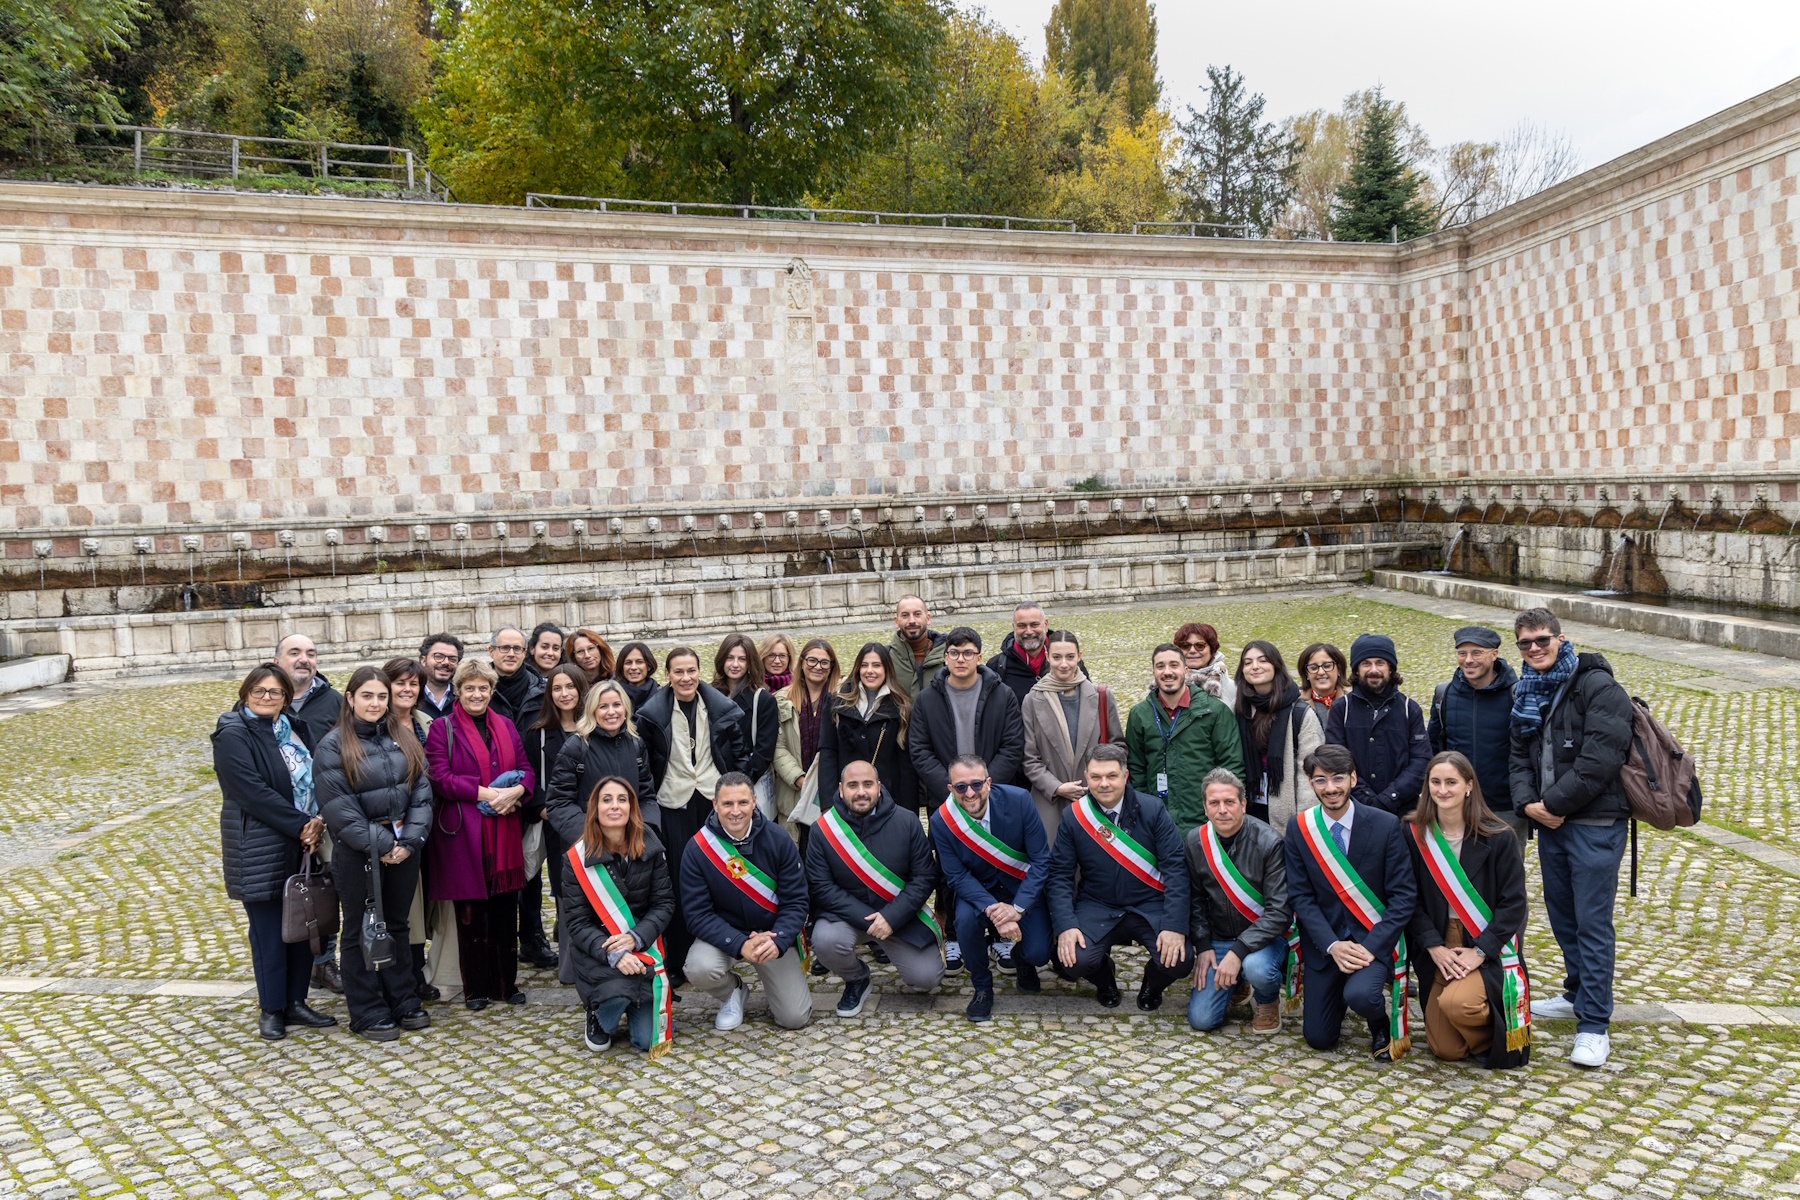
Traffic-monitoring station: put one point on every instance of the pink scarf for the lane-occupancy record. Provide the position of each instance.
(502, 845)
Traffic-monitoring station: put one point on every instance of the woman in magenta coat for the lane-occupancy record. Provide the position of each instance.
(480, 780)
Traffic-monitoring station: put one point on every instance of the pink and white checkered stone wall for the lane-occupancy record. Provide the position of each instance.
(216, 357)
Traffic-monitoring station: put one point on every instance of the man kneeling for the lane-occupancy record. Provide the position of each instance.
(1117, 876)
(991, 848)
(744, 893)
(870, 871)
(1240, 913)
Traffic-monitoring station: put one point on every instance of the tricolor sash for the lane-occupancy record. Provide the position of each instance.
(981, 843)
(865, 866)
(609, 905)
(1246, 899)
(1290, 989)
(1315, 835)
(744, 875)
(1475, 915)
(1117, 843)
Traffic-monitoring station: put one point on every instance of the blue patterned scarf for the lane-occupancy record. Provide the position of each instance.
(299, 764)
(1536, 689)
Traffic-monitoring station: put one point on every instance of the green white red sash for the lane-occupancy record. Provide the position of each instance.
(1290, 988)
(1117, 843)
(609, 905)
(981, 843)
(744, 875)
(1246, 899)
(1475, 915)
(865, 866)
(1367, 908)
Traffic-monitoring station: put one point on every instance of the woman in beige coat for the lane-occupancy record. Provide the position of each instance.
(1066, 715)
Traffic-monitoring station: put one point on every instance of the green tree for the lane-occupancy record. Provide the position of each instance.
(169, 51)
(741, 101)
(1239, 169)
(1113, 41)
(47, 87)
(984, 145)
(1382, 197)
(1328, 141)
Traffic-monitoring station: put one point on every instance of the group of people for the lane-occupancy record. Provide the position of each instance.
(1311, 843)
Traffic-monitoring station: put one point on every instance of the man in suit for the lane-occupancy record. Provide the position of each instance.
(992, 850)
(1117, 875)
(1351, 886)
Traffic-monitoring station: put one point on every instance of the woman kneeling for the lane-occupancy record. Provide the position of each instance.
(613, 920)
(1465, 932)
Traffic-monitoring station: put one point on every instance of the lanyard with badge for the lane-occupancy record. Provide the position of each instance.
(1162, 778)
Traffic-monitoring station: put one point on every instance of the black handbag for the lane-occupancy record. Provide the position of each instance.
(377, 944)
(309, 906)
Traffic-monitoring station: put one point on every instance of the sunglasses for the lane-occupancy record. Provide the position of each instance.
(1536, 643)
(969, 789)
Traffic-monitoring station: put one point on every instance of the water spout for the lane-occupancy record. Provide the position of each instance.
(1667, 509)
(1305, 538)
(1450, 550)
(1317, 523)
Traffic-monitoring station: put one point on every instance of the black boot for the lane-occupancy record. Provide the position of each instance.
(272, 1026)
(1106, 984)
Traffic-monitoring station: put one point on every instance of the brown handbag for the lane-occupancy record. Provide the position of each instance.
(309, 906)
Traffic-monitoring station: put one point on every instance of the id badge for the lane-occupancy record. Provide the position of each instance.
(1162, 784)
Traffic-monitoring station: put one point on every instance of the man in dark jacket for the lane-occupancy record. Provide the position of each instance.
(520, 692)
(1471, 713)
(1117, 875)
(1571, 735)
(1383, 728)
(965, 710)
(440, 653)
(1239, 911)
(1022, 660)
(313, 711)
(1347, 959)
(994, 857)
(743, 891)
(869, 871)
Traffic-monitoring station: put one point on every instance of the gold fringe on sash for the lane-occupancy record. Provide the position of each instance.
(1518, 1039)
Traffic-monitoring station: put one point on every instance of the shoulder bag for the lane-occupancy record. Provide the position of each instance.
(763, 789)
(377, 944)
(309, 906)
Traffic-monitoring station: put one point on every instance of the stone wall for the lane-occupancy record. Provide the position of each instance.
(221, 362)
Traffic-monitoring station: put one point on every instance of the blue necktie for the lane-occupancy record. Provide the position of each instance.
(1337, 835)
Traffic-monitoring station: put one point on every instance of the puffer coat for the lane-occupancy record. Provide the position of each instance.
(381, 795)
(648, 892)
(259, 827)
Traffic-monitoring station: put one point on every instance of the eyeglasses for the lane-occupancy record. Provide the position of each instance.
(1195, 647)
(1319, 781)
(267, 694)
(1321, 668)
(1536, 643)
(509, 649)
(821, 663)
(969, 789)
(965, 653)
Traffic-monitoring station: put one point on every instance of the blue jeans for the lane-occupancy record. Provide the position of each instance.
(641, 1019)
(1580, 864)
(972, 930)
(1262, 971)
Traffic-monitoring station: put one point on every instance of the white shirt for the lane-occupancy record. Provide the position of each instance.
(1348, 819)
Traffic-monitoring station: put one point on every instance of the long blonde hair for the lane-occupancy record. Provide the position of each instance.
(588, 723)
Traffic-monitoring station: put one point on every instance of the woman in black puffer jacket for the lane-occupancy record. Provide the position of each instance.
(375, 795)
(612, 979)
(267, 817)
(606, 742)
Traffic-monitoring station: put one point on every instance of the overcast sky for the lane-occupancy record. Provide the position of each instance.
(1613, 76)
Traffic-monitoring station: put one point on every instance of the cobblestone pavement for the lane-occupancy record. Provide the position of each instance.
(166, 1096)
(172, 1098)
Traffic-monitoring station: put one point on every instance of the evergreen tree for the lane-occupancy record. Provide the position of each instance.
(1239, 168)
(1381, 201)
(1112, 40)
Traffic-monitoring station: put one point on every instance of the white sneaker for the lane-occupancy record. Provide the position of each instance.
(1590, 1050)
(731, 1013)
(1555, 1008)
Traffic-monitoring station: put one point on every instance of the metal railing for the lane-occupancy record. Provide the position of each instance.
(766, 212)
(199, 154)
(1192, 228)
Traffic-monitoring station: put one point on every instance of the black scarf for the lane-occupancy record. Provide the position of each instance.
(1283, 703)
(513, 688)
(639, 693)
